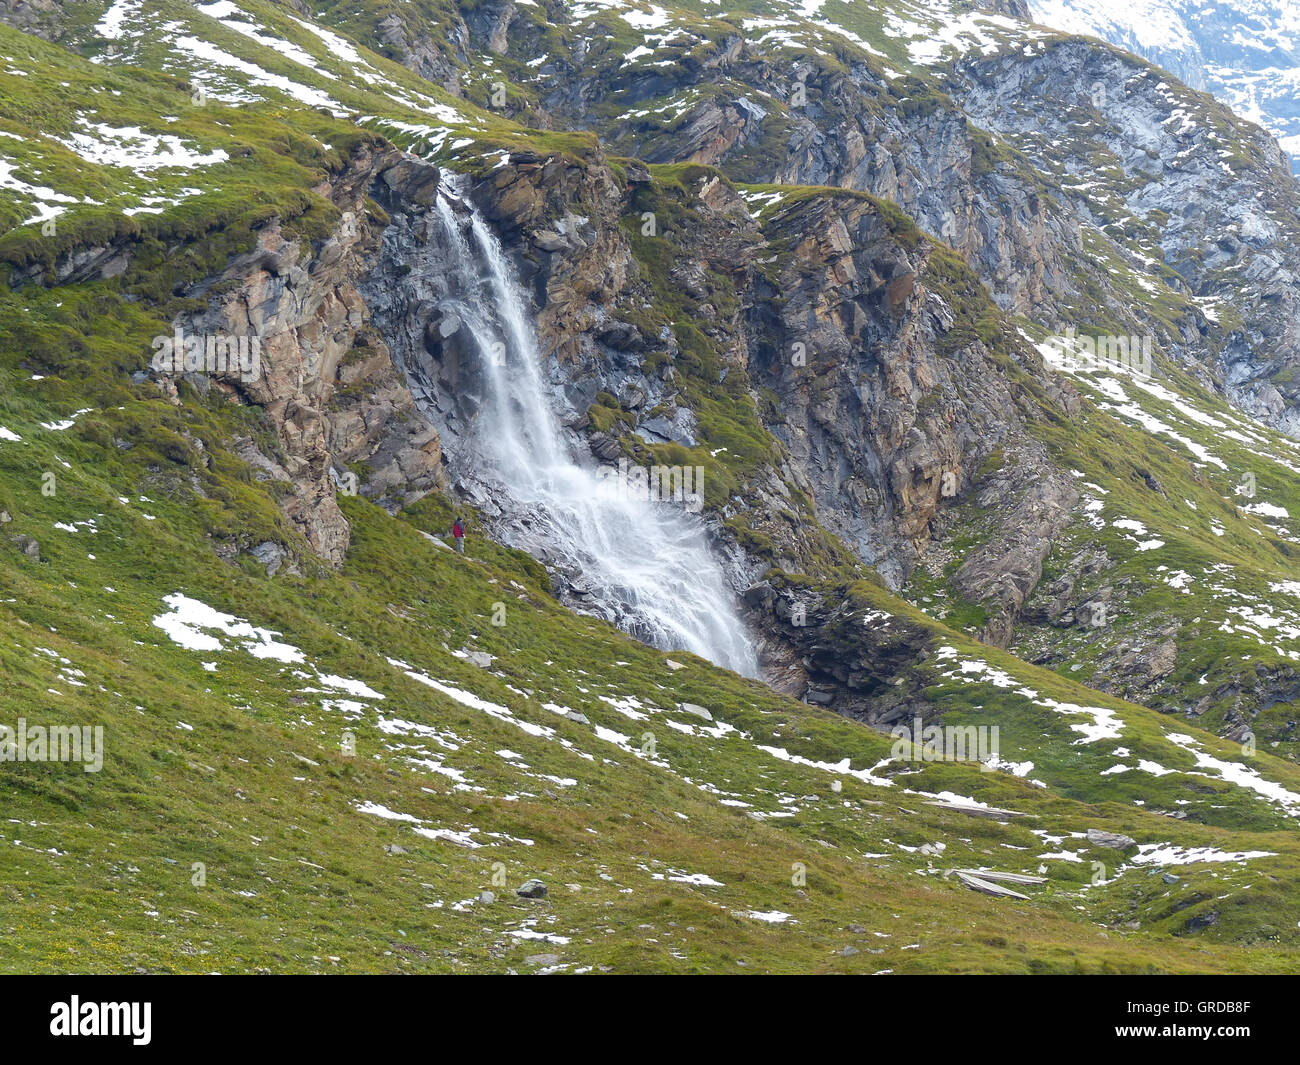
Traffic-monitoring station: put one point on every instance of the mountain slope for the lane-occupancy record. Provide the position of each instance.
(1244, 53)
(349, 725)
(267, 754)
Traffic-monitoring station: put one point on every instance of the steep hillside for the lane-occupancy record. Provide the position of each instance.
(1246, 54)
(356, 770)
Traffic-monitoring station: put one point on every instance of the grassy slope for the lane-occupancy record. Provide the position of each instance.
(232, 790)
(226, 794)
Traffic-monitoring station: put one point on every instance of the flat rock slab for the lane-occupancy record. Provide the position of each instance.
(1114, 840)
(987, 887)
(991, 812)
(542, 959)
(1010, 878)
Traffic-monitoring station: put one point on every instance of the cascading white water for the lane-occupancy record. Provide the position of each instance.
(647, 564)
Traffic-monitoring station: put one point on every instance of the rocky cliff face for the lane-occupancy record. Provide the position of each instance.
(873, 419)
(813, 123)
(884, 404)
(436, 54)
(1223, 232)
(574, 264)
(1241, 52)
(326, 380)
(1056, 207)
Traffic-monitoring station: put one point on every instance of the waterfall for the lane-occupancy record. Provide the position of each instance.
(646, 565)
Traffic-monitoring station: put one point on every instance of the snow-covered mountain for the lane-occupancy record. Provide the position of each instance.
(1247, 52)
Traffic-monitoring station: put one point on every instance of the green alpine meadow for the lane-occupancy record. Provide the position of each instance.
(627, 487)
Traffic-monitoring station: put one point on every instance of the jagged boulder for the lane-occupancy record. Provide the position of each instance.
(1112, 840)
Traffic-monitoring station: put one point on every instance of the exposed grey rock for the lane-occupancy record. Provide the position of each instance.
(992, 813)
(431, 58)
(271, 555)
(1010, 878)
(695, 710)
(1009, 8)
(42, 18)
(622, 336)
(532, 889)
(987, 887)
(661, 430)
(542, 959)
(326, 380)
(604, 446)
(1114, 840)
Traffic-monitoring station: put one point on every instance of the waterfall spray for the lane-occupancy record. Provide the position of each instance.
(646, 565)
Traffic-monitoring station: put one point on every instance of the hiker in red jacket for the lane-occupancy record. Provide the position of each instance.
(458, 531)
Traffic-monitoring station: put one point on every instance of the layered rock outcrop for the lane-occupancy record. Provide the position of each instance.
(325, 379)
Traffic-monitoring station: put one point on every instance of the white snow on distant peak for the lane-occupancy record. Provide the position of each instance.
(1151, 23)
(1244, 52)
